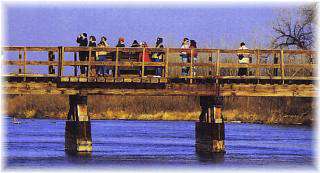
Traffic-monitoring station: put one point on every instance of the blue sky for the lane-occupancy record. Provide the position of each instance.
(210, 25)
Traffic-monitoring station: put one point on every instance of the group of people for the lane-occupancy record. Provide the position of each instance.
(103, 55)
(185, 55)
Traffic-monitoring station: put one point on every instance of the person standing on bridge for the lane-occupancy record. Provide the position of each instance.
(121, 42)
(144, 56)
(83, 55)
(135, 44)
(193, 45)
(135, 55)
(158, 56)
(92, 43)
(184, 56)
(243, 59)
(102, 56)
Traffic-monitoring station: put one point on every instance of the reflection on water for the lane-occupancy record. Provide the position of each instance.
(40, 143)
(210, 157)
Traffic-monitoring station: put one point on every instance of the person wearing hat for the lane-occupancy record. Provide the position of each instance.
(144, 56)
(83, 55)
(102, 56)
(158, 56)
(135, 43)
(92, 43)
(121, 42)
(243, 58)
(134, 55)
(184, 56)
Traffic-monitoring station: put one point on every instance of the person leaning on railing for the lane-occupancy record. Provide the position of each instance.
(102, 56)
(243, 59)
(158, 56)
(83, 55)
(193, 45)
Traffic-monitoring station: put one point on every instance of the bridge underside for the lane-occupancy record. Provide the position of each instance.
(154, 87)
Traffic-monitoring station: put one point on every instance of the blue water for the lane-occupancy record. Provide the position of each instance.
(39, 143)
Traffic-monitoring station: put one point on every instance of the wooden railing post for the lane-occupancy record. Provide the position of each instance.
(142, 70)
(275, 61)
(25, 63)
(282, 66)
(61, 59)
(210, 69)
(117, 61)
(258, 63)
(218, 63)
(167, 64)
(89, 65)
(191, 66)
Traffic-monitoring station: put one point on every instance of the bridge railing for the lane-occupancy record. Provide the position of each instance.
(202, 63)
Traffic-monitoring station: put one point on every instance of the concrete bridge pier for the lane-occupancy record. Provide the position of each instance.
(210, 127)
(78, 127)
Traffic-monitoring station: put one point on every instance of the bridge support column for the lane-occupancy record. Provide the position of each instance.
(78, 126)
(210, 127)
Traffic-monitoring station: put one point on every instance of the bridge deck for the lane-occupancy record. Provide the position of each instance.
(270, 72)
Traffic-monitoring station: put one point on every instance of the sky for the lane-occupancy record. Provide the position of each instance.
(212, 26)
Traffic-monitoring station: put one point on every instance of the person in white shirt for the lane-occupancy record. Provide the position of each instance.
(184, 57)
(243, 59)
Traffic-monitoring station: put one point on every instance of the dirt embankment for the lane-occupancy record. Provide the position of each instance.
(237, 109)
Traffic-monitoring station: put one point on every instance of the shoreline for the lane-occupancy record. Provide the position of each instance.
(230, 117)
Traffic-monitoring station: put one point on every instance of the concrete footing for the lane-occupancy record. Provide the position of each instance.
(210, 127)
(210, 137)
(78, 126)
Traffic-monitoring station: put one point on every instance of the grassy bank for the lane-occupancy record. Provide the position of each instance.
(252, 110)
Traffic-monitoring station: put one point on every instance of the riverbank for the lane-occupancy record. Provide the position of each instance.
(232, 116)
(246, 110)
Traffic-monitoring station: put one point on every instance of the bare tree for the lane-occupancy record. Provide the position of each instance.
(295, 30)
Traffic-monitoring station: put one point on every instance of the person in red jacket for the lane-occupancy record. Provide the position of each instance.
(146, 53)
(145, 56)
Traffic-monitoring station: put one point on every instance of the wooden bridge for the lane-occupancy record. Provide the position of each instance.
(211, 75)
(54, 70)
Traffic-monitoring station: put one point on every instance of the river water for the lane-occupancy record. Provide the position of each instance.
(39, 143)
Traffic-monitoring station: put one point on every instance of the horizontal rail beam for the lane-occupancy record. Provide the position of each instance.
(250, 90)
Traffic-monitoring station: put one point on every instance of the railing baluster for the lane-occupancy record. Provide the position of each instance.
(218, 63)
(61, 59)
(275, 61)
(167, 64)
(89, 66)
(191, 65)
(210, 69)
(116, 67)
(142, 70)
(282, 66)
(258, 63)
(25, 63)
